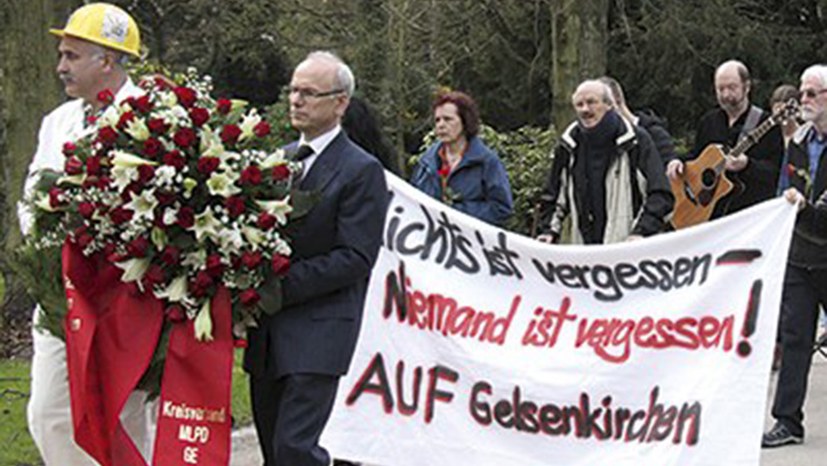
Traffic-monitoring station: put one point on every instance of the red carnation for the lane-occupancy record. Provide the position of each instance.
(170, 255)
(106, 97)
(214, 265)
(230, 134)
(137, 247)
(280, 172)
(251, 259)
(199, 116)
(184, 137)
(69, 148)
(73, 166)
(223, 106)
(280, 264)
(55, 195)
(266, 220)
(86, 209)
(175, 313)
(145, 173)
(175, 159)
(119, 215)
(107, 135)
(142, 104)
(93, 165)
(235, 204)
(152, 147)
(262, 129)
(157, 126)
(249, 297)
(207, 165)
(186, 96)
(186, 217)
(251, 175)
(203, 280)
(124, 120)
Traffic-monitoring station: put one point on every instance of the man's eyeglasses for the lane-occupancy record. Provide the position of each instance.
(311, 94)
(810, 93)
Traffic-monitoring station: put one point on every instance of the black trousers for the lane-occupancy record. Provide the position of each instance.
(804, 290)
(290, 413)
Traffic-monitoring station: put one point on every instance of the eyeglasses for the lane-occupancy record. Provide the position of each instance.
(810, 93)
(311, 94)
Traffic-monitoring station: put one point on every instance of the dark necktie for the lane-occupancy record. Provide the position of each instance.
(303, 153)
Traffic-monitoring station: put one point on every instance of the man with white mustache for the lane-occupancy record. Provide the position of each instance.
(757, 170)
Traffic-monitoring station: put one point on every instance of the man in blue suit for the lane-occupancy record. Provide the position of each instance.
(298, 352)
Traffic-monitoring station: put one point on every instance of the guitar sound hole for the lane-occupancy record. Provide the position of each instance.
(708, 179)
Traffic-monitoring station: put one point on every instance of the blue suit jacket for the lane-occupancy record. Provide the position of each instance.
(334, 248)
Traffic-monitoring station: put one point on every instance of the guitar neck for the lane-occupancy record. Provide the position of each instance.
(753, 137)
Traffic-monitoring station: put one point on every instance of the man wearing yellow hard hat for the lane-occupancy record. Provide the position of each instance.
(94, 46)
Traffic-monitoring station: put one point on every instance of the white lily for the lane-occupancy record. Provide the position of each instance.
(195, 260)
(143, 205)
(164, 175)
(133, 270)
(125, 159)
(254, 236)
(42, 202)
(123, 176)
(170, 216)
(109, 117)
(206, 225)
(232, 241)
(223, 184)
(203, 323)
(176, 291)
(279, 208)
(189, 185)
(276, 158)
(76, 180)
(168, 99)
(248, 124)
(137, 129)
(211, 145)
(158, 238)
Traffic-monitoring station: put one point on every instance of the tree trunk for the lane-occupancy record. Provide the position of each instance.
(29, 89)
(579, 30)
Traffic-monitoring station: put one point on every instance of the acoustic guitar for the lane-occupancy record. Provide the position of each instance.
(704, 181)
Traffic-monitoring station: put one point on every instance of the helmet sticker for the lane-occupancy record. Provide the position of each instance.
(115, 25)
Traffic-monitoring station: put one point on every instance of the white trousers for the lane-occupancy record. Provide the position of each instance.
(49, 410)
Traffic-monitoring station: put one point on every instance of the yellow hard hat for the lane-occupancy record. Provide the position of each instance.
(104, 24)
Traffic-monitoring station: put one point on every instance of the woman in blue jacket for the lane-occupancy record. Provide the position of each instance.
(460, 170)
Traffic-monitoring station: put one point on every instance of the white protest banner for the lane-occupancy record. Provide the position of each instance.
(483, 347)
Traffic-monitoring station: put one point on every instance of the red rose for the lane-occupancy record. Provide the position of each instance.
(214, 265)
(152, 147)
(175, 313)
(790, 170)
(154, 275)
(203, 280)
(91, 120)
(236, 205)
(86, 209)
(137, 247)
(162, 83)
(125, 119)
(223, 106)
(186, 217)
(266, 220)
(184, 137)
(199, 116)
(262, 129)
(281, 172)
(186, 96)
(107, 135)
(230, 134)
(444, 170)
(142, 104)
(175, 159)
(251, 175)
(207, 165)
(106, 97)
(73, 166)
(119, 215)
(103, 182)
(170, 255)
(55, 197)
(280, 264)
(165, 198)
(93, 165)
(157, 126)
(249, 297)
(69, 148)
(84, 239)
(145, 173)
(251, 259)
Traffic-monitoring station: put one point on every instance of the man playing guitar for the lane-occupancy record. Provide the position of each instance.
(753, 173)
